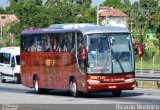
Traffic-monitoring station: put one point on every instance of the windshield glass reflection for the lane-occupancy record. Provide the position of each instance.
(109, 53)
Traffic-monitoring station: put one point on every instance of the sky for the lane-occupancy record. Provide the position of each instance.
(4, 3)
(97, 2)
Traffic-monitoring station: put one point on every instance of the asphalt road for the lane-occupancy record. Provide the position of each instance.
(26, 99)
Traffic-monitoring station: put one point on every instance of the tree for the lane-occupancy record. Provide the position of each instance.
(2, 10)
(113, 3)
(28, 13)
(88, 17)
(143, 17)
(126, 6)
(156, 23)
(38, 2)
(32, 13)
(147, 4)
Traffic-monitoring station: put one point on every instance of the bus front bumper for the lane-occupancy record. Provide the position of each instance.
(110, 86)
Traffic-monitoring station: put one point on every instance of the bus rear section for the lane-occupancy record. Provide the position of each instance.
(101, 59)
(10, 64)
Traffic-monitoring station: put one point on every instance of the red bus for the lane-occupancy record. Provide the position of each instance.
(78, 58)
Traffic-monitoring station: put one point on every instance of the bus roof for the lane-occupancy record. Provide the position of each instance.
(70, 25)
(85, 28)
(104, 29)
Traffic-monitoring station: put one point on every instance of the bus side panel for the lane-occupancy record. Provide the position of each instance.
(79, 77)
(25, 69)
(66, 69)
(57, 66)
(35, 68)
(50, 70)
(47, 70)
(69, 69)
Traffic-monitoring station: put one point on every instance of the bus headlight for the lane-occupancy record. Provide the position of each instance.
(130, 80)
(91, 81)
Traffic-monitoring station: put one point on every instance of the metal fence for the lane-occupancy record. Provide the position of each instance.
(148, 63)
(148, 69)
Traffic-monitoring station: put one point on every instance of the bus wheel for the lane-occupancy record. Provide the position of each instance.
(36, 86)
(73, 88)
(116, 93)
(1, 78)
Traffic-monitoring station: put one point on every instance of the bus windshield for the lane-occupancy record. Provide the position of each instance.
(109, 53)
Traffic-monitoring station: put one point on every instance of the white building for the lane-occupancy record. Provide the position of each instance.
(112, 17)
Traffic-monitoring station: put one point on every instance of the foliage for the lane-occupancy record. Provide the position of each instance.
(2, 10)
(33, 13)
(141, 19)
(113, 3)
(148, 62)
(142, 15)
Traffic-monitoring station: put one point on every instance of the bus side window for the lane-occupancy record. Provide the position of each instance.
(56, 44)
(73, 47)
(29, 43)
(68, 42)
(36, 44)
(82, 64)
(46, 43)
(24, 43)
(62, 43)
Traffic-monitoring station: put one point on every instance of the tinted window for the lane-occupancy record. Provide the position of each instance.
(55, 42)
(13, 62)
(25, 43)
(18, 59)
(1, 57)
(6, 58)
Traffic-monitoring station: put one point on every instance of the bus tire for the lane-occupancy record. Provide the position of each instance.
(37, 90)
(1, 78)
(116, 93)
(16, 78)
(73, 88)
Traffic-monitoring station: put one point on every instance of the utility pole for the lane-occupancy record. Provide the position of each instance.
(1, 29)
(2, 17)
(97, 14)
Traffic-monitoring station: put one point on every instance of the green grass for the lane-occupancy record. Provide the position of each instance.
(147, 84)
(147, 63)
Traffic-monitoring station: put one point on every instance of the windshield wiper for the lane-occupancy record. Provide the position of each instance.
(120, 64)
(117, 61)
